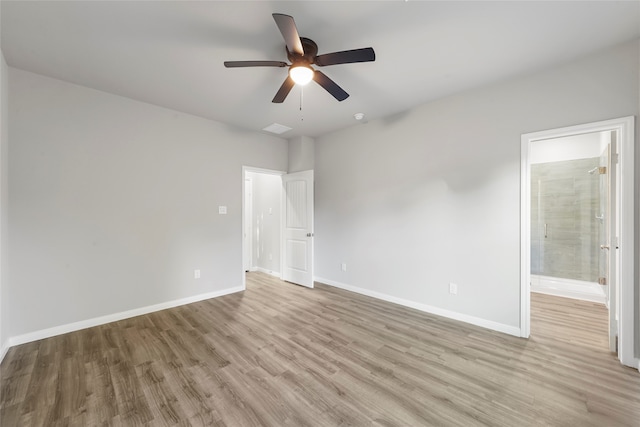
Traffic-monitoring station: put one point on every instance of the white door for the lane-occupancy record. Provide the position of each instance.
(298, 228)
(608, 244)
(248, 225)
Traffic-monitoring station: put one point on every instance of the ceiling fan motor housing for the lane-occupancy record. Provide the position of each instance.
(310, 49)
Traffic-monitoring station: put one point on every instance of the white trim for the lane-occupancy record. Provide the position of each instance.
(247, 244)
(495, 326)
(263, 171)
(525, 238)
(568, 288)
(3, 351)
(269, 272)
(625, 128)
(97, 321)
(626, 242)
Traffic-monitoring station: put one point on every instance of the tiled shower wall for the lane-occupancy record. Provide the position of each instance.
(566, 198)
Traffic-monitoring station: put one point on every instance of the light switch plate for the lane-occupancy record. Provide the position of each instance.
(222, 210)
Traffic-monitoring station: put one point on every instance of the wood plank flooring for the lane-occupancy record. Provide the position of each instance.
(283, 355)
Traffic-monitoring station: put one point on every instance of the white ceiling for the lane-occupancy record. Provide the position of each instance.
(171, 53)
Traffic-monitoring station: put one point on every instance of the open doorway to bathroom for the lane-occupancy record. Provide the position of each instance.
(577, 226)
(570, 216)
(572, 213)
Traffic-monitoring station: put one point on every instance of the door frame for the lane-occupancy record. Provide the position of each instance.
(625, 128)
(247, 209)
(251, 169)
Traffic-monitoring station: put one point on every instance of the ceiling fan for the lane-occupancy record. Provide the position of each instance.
(303, 52)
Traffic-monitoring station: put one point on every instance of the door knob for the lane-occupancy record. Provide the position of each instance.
(309, 234)
(604, 247)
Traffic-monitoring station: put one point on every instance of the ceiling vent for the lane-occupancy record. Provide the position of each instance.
(276, 128)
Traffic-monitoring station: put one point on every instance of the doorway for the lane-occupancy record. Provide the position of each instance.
(614, 252)
(261, 221)
(277, 224)
(570, 216)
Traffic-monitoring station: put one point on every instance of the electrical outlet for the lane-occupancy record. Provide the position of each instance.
(453, 288)
(343, 266)
(196, 274)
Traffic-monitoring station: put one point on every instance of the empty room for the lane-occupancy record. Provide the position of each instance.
(313, 213)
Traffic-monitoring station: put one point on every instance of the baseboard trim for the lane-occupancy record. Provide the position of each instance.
(489, 324)
(97, 321)
(269, 272)
(3, 351)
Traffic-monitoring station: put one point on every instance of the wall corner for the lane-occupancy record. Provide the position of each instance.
(301, 154)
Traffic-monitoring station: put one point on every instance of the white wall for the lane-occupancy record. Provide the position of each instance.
(301, 154)
(432, 196)
(113, 203)
(267, 202)
(4, 173)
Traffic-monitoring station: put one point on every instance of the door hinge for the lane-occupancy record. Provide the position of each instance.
(602, 281)
(602, 170)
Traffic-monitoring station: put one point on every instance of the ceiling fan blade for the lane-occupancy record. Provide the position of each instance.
(287, 27)
(236, 64)
(283, 91)
(366, 54)
(330, 86)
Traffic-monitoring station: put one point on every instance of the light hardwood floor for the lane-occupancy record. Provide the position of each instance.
(282, 355)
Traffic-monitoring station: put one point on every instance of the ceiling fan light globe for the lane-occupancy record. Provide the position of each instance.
(301, 74)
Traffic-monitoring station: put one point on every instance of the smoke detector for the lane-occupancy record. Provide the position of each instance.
(358, 116)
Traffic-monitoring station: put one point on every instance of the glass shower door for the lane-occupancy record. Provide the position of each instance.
(537, 229)
(603, 220)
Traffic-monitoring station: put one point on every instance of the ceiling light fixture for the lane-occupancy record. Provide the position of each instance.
(301, 74)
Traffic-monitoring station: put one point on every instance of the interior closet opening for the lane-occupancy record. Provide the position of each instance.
(262, 223)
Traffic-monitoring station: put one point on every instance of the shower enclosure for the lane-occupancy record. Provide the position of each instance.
(568, 203)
